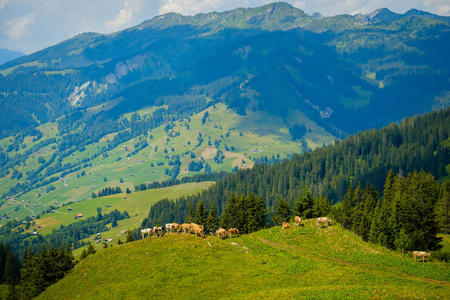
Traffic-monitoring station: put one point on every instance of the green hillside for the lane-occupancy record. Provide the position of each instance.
(305, 262)
(40, 181)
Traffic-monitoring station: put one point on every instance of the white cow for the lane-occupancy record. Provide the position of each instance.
(420, 254)
(146, 231)
(298, 220)
(323, 220)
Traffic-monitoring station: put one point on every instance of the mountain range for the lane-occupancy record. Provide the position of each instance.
(278, 58)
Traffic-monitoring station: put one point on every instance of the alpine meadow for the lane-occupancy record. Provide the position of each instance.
(256, 152)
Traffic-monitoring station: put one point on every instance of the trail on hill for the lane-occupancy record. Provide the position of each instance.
(295, 250)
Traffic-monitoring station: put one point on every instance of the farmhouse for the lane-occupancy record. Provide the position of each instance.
(79, 215)
(69, 208)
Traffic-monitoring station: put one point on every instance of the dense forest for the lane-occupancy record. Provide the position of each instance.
(418, 143)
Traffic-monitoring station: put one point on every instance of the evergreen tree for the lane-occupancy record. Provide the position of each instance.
(113, 221)
(283, 212)
(256, 214)
(129, 237)
(201, 214)
(322, 206)
(212, 221)
(443, 209)
(12, 269)
(304, 207)
(191, 214)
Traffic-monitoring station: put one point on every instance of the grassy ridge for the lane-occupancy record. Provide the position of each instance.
(273, 263)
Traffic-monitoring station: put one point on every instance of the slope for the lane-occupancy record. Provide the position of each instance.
(299, 262)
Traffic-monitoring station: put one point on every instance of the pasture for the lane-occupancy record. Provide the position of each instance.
(301, 262)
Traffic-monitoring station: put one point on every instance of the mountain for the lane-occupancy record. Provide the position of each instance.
(384, 14)
(382, 65)
(8, 55)
(220, 91)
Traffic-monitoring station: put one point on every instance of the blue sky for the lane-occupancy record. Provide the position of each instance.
(31, 25)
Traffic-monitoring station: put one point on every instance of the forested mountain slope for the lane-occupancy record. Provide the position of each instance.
(329, 68)
(418, 143)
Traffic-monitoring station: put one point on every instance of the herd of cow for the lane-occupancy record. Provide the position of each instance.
(198, 230)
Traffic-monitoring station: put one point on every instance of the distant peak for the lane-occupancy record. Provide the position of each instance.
(281, 6)
(382, 14)
(316, 16)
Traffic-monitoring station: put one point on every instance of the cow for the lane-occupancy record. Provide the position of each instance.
(285, 225)
(232, 231)
(176, 226)
(186, 227)
(158, 231)
(422, 254)
(169, 227)
(221, 233)
(323, 220)
(298, 220)
(147, 231)
(198, 231)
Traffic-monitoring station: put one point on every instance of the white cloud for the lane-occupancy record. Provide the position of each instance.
(18, 28)
(125, 17)
(188, 7)
(3, 4)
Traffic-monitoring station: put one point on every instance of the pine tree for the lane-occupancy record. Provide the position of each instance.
(322, 207)
(191, 214)
(256, 214)
(129, 237)
(304, 207)
(443, 209)
(230, 214)
(201, 214)
(283, 212)
(213, 220)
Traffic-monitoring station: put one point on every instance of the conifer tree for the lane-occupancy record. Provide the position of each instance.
(191, 214)
(283, 212)
(213, 220)
(201, 214)
(129, 237)
(256, 213)
(304, 207)
(443, 209)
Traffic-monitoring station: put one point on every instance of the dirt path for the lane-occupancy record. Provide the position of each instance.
(301, 252)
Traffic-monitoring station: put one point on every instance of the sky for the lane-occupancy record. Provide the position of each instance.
(32, 25)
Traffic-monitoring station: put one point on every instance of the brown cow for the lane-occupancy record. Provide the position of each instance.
(286, 225)
(422, 254)
(298, 220)
(234, 231)
(221, 233)
(186, 227)
(176, 226)
(198, 231)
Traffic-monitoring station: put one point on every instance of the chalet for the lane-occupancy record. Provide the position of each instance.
(69, 208)
(108, 205)
(79, 215)
(55, 202)
(39, 226)
(35, 233)
(52, 211)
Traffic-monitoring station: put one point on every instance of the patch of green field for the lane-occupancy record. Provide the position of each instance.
(137, 204)
(62, 72)
(361, 99)
(304, 262)
(28, 64)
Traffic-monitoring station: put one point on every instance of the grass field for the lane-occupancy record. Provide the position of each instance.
(305, 262)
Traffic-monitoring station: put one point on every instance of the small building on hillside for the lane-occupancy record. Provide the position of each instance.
(69, 208)
(79, 216)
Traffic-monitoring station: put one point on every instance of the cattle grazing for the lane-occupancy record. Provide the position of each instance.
(176, 227)
(169, 227)
(146, 231)
(158, 231)
(221, 233)
(186, 227)
(198, 231)
(323, 220)
(232, 231)
(298, 220)
(422, 254)
(285, 225)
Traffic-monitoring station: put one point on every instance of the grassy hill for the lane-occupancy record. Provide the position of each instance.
(305, 262)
